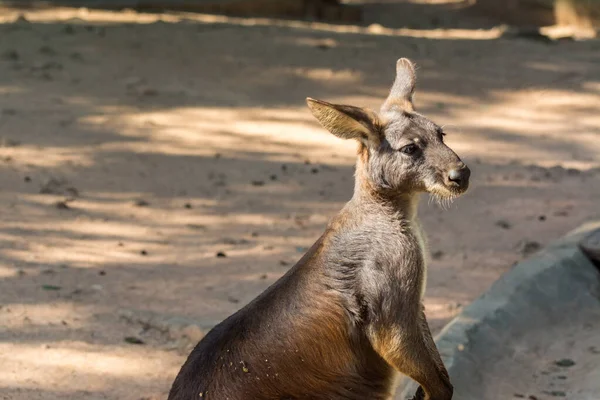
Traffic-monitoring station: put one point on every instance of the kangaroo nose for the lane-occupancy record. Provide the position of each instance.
(460, 176)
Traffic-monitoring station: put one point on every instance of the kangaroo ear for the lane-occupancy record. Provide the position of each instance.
(346, 122)
(401, 94)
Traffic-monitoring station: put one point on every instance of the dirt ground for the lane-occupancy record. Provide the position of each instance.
(136, 148)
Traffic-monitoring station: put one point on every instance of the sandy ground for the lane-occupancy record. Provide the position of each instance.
(135, 148)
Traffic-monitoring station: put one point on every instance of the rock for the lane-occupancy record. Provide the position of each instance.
(590, 245)
(62, 205)
(556, 393)
(565, 363)
(133, 340)
(438, 254)
(504, 224)
(141, 203)
(221, 254)
(529, 247)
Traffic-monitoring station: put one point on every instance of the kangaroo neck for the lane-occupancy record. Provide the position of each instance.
(369, 199)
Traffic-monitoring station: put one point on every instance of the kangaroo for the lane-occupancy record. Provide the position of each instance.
(348, 317)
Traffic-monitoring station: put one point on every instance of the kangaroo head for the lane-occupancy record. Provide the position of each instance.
(401, 151)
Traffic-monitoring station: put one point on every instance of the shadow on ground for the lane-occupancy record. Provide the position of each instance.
(164, 143)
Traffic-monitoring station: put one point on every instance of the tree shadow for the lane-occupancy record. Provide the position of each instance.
(209, 113)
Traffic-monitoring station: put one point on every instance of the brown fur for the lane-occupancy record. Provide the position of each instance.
(348, 316)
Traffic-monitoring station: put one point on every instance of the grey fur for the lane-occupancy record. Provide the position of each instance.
(349, 313)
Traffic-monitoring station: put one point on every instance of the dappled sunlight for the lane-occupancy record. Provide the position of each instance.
(126, 363)
(198, 131)
(110, 18)
(8, 272)
(532, 126)
(50, 157)
(54, 314)
(88, 368)
(168, 163)
(6, 90)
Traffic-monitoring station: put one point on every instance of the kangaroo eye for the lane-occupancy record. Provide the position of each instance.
(409, 149)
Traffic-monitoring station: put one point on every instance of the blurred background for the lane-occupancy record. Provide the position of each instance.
(159, 165)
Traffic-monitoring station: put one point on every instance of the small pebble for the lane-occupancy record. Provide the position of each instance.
(62, 205)
(530, 247)
(133, 340)
(557, 393)
(144, 252)
(221, 254)
(565, 362)
(503, 224)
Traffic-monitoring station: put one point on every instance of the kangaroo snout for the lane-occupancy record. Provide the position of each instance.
(458, 176)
